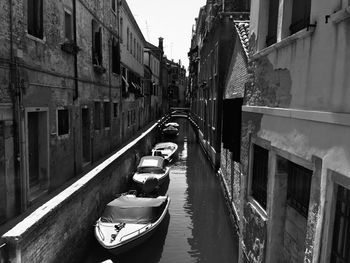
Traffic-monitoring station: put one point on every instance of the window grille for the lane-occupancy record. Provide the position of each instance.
(298, 189)
(341, 233)
(259, 178)
(63, 121)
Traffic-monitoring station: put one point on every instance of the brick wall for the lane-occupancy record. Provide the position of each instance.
(70, 216)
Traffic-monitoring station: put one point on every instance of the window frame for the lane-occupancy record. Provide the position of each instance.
(64, 135)
(267, 146)
(36, 35)
(97, 129)
(334, 179)
(69, 12)
(107, 109)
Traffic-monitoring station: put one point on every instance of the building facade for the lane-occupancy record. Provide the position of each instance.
(176, 83)
(71, 91)
(212, 45)
(153, 57)
(295, 134)
(132, 70)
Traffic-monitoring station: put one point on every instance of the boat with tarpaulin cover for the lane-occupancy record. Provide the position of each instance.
(129, 220)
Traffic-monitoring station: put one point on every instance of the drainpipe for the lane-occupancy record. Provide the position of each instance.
(17, 125)
(76, 90)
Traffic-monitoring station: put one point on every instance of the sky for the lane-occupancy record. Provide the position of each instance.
(170, 19)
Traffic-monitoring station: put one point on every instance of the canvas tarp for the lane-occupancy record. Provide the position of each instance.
(130, 209)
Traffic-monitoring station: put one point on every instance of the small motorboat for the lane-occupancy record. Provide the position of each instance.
(174, 124)
(129, 220)
(151, 172)
(165, 150)
(171, 131)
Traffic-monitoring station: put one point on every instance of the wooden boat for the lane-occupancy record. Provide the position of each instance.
(129, 220)
(151, 167)
(171, 131)
(165, 150)
(174, 124)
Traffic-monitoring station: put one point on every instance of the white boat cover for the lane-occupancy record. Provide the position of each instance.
(151, 161)
(131, 209)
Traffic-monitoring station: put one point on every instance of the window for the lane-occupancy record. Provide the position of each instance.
(96, 44)
(35, 18)
(107, 114)
(68, 26)
(134, 47)
(97, 116)
(115, 109)
(272, 25)
(298, 189)
(130, 42)
(127, 39)
(62, 122)
(259, 177)
(121, 30)
(115, 57)
(341, 233)
(231, 125)
(128, 118)
(300, 15)
(113, 5)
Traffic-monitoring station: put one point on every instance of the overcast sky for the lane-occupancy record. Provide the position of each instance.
(170, 19)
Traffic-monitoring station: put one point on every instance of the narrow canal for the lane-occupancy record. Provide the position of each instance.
(197, 227)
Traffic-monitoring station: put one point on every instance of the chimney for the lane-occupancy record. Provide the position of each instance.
(160, 45)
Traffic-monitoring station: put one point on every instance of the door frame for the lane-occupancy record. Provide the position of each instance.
(81, 134)
(27, 193)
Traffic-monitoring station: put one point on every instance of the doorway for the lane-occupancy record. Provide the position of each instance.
(37, 152)
(86, 135)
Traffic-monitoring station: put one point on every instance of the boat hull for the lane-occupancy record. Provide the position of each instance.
(136, 240)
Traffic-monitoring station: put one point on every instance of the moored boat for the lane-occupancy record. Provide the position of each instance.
(174, 124)
(151, 167)
(171, 131)
(129, 220)
(165, 150)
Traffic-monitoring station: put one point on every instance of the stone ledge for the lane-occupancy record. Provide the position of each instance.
(306, 32)
(309, 115)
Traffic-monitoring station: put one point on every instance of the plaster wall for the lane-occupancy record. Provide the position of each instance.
(306, 138)
(127, 58)
(318, 64)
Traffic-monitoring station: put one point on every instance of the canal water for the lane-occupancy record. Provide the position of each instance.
(197, 227)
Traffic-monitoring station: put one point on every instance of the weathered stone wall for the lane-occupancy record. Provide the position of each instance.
(69, 217)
